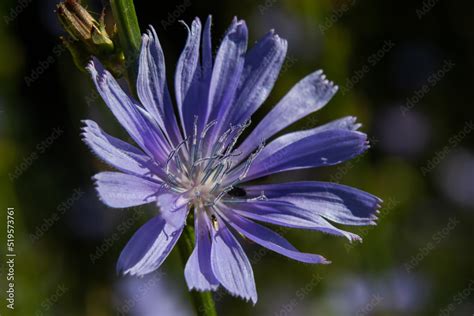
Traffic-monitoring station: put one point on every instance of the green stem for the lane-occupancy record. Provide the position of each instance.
(203, 301)
(129, 35)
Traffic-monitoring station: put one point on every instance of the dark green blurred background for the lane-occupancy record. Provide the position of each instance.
(405, 69)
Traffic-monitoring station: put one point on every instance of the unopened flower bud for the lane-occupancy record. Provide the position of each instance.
(88, 37)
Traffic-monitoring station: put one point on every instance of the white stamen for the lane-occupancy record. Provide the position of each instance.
(198, 169)
(261, 197)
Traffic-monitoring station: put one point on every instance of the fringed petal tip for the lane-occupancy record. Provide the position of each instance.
(374, 215)
(95, 67)
(203, 289)
(121, 271)
(364, 143)
(88, 123)
(273, 36)
(236, 23)
(283, 42)
(327, 87)
(315, 259)
(98, 72)
(88, 127)
(196, 23)
(375, 205)
(151, 32)
(145, 39)
(96, 185)
(352, 123)
(340, 233)
(354, 238)
(325, 261)
(95, 182)
(90, 67)
(95, 178)
(277, 38)
(128, 272)
(149, 37)
(347, 123)
(248, 299)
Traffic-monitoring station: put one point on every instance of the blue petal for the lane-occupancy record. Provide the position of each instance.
(121, 190)
(269, 239)
(174, 209)
(261, 68)
(306, 97)
(207, 50)
(231, 265)
(348, 123)
(285, 214)
(118, 153)
(204, 108)
(226, 73)
(128, 113)
(148, 247)
(307, 149)
(152, 88)
(188, 73)
(335, 202)
(198, 271)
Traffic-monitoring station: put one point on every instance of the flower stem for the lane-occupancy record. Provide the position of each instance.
(203, 301)
(129, 35)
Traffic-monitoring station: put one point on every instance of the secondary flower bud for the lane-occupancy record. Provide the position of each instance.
(89, 37)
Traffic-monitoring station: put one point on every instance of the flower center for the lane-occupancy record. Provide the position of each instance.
(198, 166)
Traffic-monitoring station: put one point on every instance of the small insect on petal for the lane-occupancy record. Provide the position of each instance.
(237, 192)
(214, 221)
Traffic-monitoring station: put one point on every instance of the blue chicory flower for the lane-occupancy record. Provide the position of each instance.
(193, 162)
